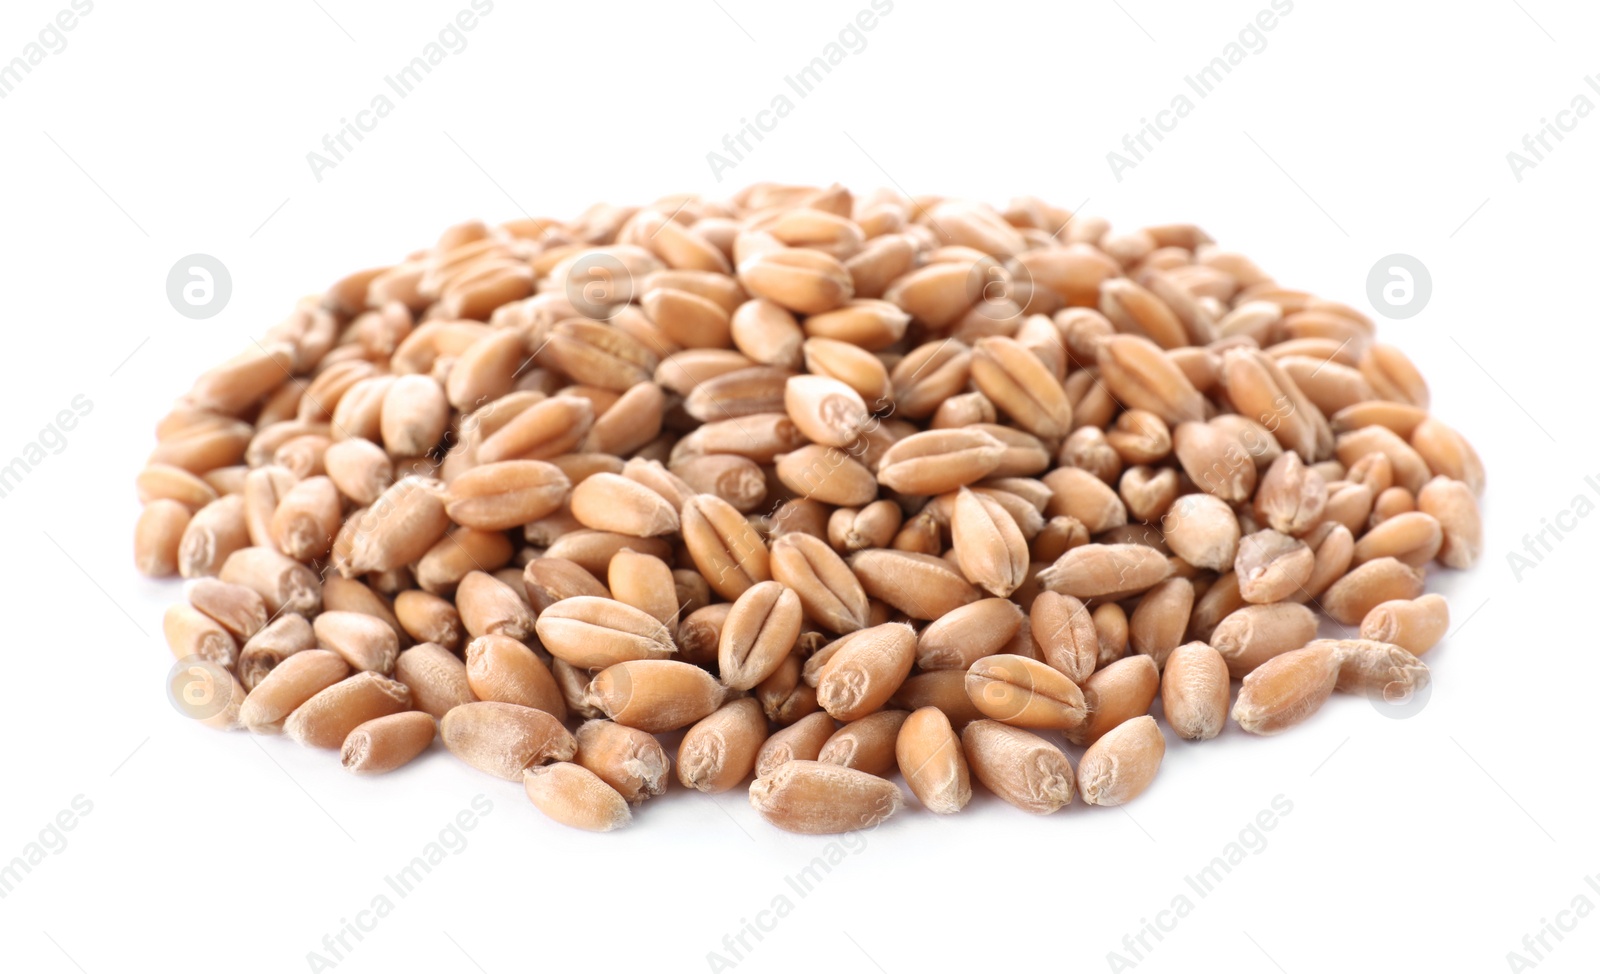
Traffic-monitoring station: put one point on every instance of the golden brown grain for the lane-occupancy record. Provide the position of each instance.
(802, 740)
(274, 643)
(785, 696)
(1202, 530)
(1287, 689)
(212, 536)
(865, 671)
(157, 536)
(1194, 692)
(958, 639)
(1023, 692)
(1161, 618)
(573, 795)
(436, 677)
(1106, 571)
(1415, 625)
(1117, 692)
(829, 592)
(928, 753)
(921, 586)
(720, 750)
(610, 502)
(1022, 768)
(655, 695)
(1382, 580)
(813, 798)
(427, 618)
(384, 743)
(236, 608)
(501, 668)
(190, 632)
(1119, 766)
(290, 684)
(938, 461)
(595, 632)
(1253, 634)
(1272, 566)
(629, 760)
(866, 743)
(1454, 506)
(331, 714)
(723, 545)
(757, 634)
(988, 544)
(1066, 634)
(503, 739)
(489, 606)
(1381, 670)
(498, 496)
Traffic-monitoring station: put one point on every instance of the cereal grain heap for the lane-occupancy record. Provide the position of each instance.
(837, 486)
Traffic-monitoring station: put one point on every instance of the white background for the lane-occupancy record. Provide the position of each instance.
(1362, 129)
